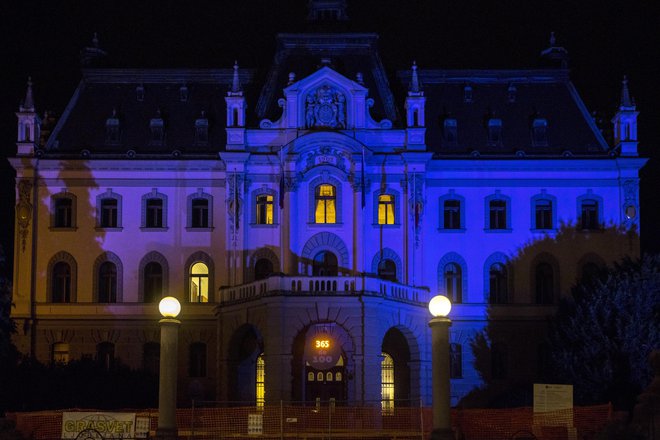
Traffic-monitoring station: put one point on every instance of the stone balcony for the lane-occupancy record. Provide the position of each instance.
(306, 286)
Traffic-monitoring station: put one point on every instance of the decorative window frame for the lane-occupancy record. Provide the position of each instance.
(200, 194)
(553, 204)
(154, 194)
(113, 258)
(74, 211)
(65, 257)
(325, 178)
(109, 194)
(253, 207)
(451, 195)
(497, 196)
(153, 257)
(453, 257)
(262, 253)
(498, 257)
(325, 241)
(199, 257)
(578, 211)
(397, 207)
(387, 254)
(545, 257)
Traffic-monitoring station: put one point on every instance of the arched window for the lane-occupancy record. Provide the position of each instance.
(105, 355)
(107, 282)
(263, 269)
(453, 283)
(199, 283)
(387, 269)
(385, 209)
(261, 381)
(590, 273)
(544, 283)
(61, 279)
(151, 358)
(153, 282)
(197, 360)
(387, 383)
(455, 361)
(326, 207)
(325, 264)
(498, 284)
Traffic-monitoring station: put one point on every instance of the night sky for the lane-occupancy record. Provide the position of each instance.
(605, 40)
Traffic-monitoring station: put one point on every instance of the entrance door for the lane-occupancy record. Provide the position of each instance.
(325, 384)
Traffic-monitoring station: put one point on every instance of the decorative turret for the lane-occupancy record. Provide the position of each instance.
(555, 54)
(235, 113)
(625, 123)
(415, 102)
(29, 124)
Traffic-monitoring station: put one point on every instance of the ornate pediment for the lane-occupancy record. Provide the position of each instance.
(325, 107)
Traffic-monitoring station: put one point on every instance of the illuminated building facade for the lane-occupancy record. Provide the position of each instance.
(306, 236)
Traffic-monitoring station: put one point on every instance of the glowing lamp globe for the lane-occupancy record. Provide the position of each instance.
(169, 307)
(439, 306)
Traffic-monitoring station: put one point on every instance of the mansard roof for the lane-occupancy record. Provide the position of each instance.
(104, 92)
(517, 98)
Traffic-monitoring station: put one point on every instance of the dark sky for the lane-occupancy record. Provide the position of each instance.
(605, 40)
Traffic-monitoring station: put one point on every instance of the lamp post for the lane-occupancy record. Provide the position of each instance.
(169, 342)
(439, 306)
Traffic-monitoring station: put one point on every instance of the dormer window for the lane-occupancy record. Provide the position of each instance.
(112, 129)
(511, 93)
(494, 132)
(139, 93)
(157, 128)
(183, 93)
(202, 130)
(450, 132)
(540, 132)
(467, 93)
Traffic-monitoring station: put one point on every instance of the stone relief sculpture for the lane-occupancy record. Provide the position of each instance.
(325, 108)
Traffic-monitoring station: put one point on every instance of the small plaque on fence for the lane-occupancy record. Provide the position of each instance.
(292, 419)
(255, 424)
(142, 427)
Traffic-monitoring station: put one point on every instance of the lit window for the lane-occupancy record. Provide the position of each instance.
(540, 132)
(107, 283)
(589, 215)
(261, 381)
(197, 360)
(455, 361)
(452, 214)
(497, 217)
(60, 353)
(498, 284)
(63, 213)
(494, 132)
(387, 384)
(154, 213)
(385, 209)
(543, 214)
(326, 204)
(61, 287)
(153, 282)
(544, 283)
(265, 209)
(453, 283)
(109, 211)
(199, 283)
(387, 269)
(199, 213)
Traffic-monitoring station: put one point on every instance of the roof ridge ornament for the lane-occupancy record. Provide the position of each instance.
(90, 54)
(28, 102)
(415, 89)
(555, 54)
(626, 100)
(235, 83)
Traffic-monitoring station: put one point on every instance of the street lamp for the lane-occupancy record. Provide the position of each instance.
(439, 306)
(170, 308)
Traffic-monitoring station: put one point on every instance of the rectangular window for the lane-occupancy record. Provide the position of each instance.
(154, 213)
(109, 209)
(543, 214)
(265, 209)
(497, 214)
(63, 213)
(386, 209)
(452, 214)
(589, 215)
(200, 213)
(325, 204)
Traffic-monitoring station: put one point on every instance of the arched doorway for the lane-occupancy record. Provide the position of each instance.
(263, 269)
(325, 264)
(245, 349)
(395, 374)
